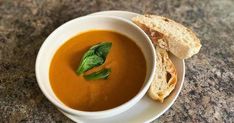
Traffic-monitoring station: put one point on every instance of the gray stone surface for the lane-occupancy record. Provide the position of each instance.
(208, 92)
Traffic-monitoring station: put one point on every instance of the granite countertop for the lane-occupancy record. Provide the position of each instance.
(208, 91)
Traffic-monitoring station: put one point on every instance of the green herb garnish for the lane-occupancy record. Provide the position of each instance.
(102, 74)
(95, 56)
(89, 63)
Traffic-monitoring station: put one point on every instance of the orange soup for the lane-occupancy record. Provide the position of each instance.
(128, 72)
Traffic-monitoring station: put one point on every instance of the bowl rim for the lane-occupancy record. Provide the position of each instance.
(123, 106)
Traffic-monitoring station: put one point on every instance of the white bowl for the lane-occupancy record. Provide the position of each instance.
(82, 24)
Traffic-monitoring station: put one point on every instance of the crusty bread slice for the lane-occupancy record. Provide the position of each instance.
(176, 38)
(165, 78)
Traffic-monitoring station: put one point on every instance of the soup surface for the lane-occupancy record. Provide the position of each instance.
(128, 71)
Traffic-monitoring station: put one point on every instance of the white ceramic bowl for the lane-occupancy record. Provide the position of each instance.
(83, 24)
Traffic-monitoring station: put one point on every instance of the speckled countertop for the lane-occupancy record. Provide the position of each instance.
(208, 91)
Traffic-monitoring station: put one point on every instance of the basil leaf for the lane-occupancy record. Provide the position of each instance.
(95, 56)
(88, 53)
(102, 74)
(103, 49)
(90, 62)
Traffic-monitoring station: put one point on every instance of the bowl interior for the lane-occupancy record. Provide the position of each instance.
(79, 25)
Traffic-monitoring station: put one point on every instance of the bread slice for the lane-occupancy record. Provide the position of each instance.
(165, 78)
(176, 38)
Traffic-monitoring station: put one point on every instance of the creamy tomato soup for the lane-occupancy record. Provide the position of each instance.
(128, 72)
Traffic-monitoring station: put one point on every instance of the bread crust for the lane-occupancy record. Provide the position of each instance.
(175, 37)
(163, 84)
(160, 30)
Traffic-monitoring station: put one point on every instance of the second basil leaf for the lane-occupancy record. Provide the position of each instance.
(102, 74)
